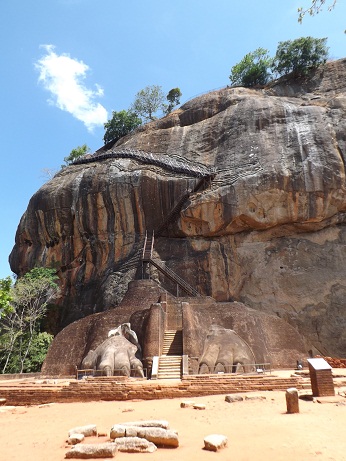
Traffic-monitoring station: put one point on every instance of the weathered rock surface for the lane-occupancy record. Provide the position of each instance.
(233, 398)
(75, 438)
(149, 423)
(215, 442)
(292, 400)
(88, 431)
(134, 445)
(89, 451)
(157, 435)
(268, 231)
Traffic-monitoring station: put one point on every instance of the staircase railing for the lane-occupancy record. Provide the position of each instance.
(174, 277)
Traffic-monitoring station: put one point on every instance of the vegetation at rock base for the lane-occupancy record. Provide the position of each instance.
(22, 345)
(300, 56)
(76, 153)
(252, 70)
(121, 124)
(5, 297)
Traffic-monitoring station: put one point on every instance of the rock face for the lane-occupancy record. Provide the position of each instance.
(268, 230)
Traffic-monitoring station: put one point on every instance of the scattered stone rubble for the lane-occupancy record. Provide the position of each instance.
(134, 437)
(159, 436)
(130, 437)
(214, 442)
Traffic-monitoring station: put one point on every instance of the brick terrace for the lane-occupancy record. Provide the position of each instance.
(36, 392)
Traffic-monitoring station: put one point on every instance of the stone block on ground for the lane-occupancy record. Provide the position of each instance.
(186, 404)
(118, 430)
(292, 400)
(199, 406)
(234, 398)
(75, 438)
(149, 423)
(89, 451)
(88, 430)
(215, 442)
(157, 435)
(2, 401)
(134, 445)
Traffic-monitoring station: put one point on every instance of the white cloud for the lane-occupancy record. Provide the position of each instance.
(64, 78)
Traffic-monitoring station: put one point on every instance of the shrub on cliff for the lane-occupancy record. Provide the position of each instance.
(252, 70)
(121, 124)
(75, 153)
(300, 56)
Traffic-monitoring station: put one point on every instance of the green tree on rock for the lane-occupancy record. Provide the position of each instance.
(148, 102)
(76, 153)
(300, 56)
(252, 70)
(121, 124)
(173, 98)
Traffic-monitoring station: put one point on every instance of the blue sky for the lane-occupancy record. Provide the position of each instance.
(66, 64)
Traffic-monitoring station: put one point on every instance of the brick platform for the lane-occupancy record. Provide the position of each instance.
(119, 388)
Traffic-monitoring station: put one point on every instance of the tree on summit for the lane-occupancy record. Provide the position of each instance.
(252, 70)
(300, 56)
(121, 124)
(173, 98)
(148, 102)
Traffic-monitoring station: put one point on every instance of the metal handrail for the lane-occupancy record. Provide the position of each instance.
(174, 277)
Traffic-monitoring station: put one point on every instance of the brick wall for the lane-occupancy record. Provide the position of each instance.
(122, 388)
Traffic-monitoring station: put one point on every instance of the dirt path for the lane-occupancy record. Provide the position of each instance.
(256, 429)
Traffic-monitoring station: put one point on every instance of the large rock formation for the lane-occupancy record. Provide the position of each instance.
(268, 230)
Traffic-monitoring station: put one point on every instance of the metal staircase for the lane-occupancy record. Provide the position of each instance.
(147, 257)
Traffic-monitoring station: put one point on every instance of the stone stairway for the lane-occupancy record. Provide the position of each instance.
(173, 342)
(170, 360)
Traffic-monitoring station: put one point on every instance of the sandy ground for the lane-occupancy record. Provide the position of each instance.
(256, 429)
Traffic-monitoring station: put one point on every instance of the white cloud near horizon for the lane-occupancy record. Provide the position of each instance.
(64, 78)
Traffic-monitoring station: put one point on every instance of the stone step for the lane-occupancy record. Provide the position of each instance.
(169, 367)
(172, 342)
